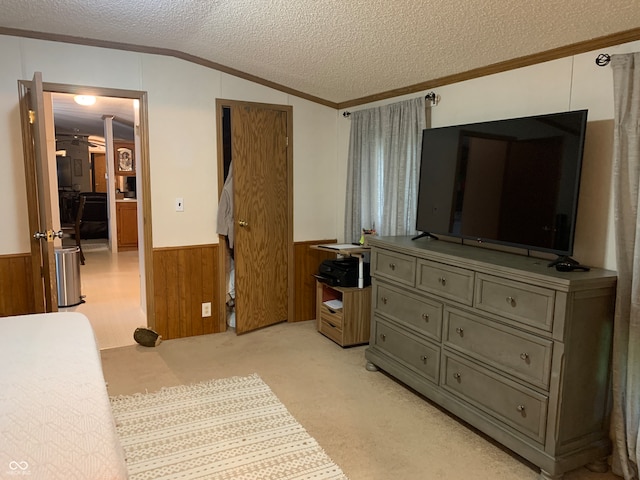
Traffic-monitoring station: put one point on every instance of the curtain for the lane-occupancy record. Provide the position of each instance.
(383, 169)
(626, 337)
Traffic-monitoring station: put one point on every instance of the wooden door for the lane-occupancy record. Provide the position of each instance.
(261, 196)
(100, 172)
(38, 194)
(127, 220)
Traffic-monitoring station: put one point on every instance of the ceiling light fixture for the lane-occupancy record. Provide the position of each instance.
(85, 99)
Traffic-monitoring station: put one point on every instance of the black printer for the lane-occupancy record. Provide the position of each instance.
(343, 272)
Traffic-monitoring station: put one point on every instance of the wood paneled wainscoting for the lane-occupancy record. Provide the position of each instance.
(187, 276)
(184, 278)
(307, 261)
(16, 285)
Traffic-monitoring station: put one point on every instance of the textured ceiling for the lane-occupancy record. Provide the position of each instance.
(335, 50)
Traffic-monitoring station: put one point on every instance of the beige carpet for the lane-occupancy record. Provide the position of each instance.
(370, 425)
(233, 428)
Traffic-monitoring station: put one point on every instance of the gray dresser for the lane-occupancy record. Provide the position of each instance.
(513, 347)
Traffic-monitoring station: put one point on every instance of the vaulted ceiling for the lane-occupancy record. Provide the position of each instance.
(336, 52)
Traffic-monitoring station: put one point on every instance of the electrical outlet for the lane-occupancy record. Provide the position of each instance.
(179, 204)
(206, 309)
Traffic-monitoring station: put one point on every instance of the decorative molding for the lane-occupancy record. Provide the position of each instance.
(90, 42)
(554, 54)
(527, 60)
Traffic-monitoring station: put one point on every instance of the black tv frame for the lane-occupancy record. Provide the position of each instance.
(576, 119)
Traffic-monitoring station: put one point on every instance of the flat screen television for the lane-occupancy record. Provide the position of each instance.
(512, 182)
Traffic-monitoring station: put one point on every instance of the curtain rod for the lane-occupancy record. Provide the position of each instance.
(603, 59)
(431, 96)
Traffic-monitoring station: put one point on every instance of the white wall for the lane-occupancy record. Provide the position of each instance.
(318, 195)
(570, 83)
(13, 197)
(182, 149)
(182, 137)
(182, 133)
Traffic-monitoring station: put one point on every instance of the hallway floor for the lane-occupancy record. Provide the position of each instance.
(111, 286)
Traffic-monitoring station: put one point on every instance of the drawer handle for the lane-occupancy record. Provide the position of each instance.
(425, 317)
(460, 331)
(392, 266)
(525, 357)
(521, 409)
(424, 358)
(457, 376)
(383, 337)
(384, 300)
(511, 301)
(443, 281)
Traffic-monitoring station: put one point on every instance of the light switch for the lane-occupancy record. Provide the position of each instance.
(179, 204)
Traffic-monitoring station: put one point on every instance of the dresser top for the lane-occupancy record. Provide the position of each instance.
(521, 267)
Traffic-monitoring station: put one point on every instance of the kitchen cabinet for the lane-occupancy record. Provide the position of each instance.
(127, 224)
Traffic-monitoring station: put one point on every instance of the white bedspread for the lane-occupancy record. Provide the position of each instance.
(55, 415)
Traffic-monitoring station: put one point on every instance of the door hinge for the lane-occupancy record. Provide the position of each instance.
(286, 141)
(32, 117)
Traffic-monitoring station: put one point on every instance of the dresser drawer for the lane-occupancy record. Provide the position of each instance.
(445, 281)
(418, 355)
(518, 353)
(394, 266)
(332, 331)
(511, 403)
(524, 303)
(420, 313)
(331, 316)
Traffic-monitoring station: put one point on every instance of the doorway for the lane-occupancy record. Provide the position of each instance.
(144, 282)
(254, 139)
(110, 272)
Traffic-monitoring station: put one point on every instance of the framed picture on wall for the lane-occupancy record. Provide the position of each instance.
(124, 158)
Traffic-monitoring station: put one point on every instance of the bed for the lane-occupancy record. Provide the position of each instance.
(55, 414)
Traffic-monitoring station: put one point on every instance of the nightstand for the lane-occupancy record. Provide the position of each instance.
(344, 314)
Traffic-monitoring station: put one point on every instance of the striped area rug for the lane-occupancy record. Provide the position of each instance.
(231, 429)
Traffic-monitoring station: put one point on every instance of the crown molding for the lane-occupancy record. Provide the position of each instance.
(527, 60)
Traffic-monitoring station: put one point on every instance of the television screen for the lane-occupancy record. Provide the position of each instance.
(512, 182)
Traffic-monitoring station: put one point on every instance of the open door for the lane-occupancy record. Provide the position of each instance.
(37, 173)
(262, 204)
(38, 195)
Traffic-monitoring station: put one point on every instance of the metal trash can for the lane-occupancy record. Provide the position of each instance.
(68, 276)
